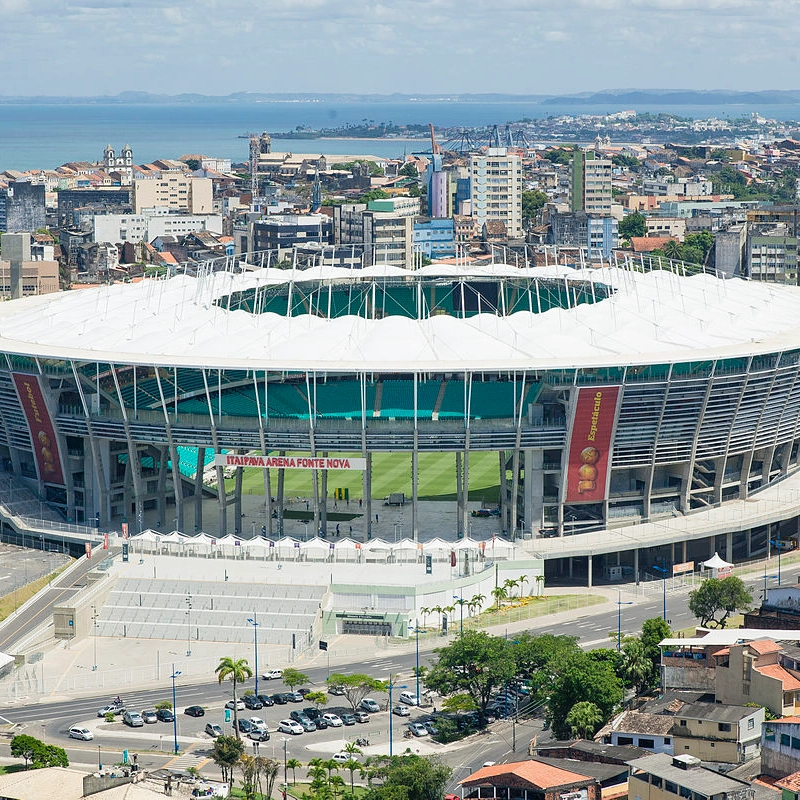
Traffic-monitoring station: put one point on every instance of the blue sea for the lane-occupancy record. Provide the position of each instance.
(45, 136)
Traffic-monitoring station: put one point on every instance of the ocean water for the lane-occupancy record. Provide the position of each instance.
(44, 136)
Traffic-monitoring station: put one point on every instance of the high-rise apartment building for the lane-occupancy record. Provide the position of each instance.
(496, 189)
(174, 190)
(590, 183)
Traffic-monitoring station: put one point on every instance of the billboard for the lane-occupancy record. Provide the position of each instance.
(289, 462)
(43, 435)
(595, 413)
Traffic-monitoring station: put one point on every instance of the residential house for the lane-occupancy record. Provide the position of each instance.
(529, 780)
(718, 732)
(664, 777)
(779, 609)
(651, 732)
(780, 747)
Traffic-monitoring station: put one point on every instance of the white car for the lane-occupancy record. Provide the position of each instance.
(334, 720)
(370, 705)
(290, 726)
(401, 711)
(257, 722)
(239, 705)
(272, 675)
(343, 758)
(78, 732)
(409, 698)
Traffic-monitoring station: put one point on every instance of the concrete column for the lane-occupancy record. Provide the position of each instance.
(198, 489)
(636, 566)
(237, 500)
(459, 493)
(569, 566)
(368, 494)
(729, 546)
(589, 571)
(683, 549)
(16, 249)
(533, 488)
(749, 541)
(280, 495)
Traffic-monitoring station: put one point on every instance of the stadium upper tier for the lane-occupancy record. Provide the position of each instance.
(439, 319)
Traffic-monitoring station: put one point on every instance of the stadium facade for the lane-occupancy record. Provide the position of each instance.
(613, 397)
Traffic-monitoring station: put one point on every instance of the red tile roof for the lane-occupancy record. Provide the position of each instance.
(790, 782)
(646, 244)
(764, 646)
(790, 683)
(531, 773)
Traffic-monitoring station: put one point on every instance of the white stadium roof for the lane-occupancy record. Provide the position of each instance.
(651, 317)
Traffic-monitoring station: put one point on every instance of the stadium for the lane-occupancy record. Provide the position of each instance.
(633, 415)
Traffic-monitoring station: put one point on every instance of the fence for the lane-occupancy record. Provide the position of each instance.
(537, 608)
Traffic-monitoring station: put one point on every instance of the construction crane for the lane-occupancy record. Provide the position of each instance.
(435, 149)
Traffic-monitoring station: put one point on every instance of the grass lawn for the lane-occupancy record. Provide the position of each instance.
(301, 789)
(391, 472)
(8, 769)
(24, 593)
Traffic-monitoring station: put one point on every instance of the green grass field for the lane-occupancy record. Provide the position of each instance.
(391, 472)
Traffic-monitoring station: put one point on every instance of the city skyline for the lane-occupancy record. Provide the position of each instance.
(510, 46)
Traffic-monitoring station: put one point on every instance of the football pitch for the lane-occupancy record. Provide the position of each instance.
(391, 472)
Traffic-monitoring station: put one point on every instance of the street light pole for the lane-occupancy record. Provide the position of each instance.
(94, 635)
(285, 774)
(416, 635)
(460, 600)
(254, 622)
(174, 675)
(188, 625)
(619, 618)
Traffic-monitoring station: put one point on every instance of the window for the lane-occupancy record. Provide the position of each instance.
(795, 743)
(683, 723)
(723, 726)
(667, 740)
(647, 744)
(655, 780)
(751, 723)
(623, 740)
(670, 787)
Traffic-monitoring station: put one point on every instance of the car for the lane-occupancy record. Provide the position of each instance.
(368, 704)
(298, 716)
(252, 702)
(266, 700)
(213, 730)
(401, 711)
(304, 692)
(481, 512)
(239, 705)
(347, 719)
(258, 735)
(361, 716)
(149, 717)
(409, 698)
(279, 699)
(343, 758)
(257, 722)
(334, 720)
(336, 690)
(290, 726)
(312, 713)
(165, 715)
(418, 729)
(430, 726)
(133, 718)
(272, 675)
(79, 732)
(308, 725)
(294, 697)
(194, 711)
(244, 725)
(111, 708)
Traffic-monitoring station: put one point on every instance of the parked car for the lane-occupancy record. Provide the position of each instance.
(194, 711)
(368, 704)
(430, 726)
(239, 705)
(401, 711)
(312, 713)
(258, 735)
(290, 726)
(294, 697)
(272, 675)
(418, 729)
(298, 716)
(347, 719)
(79, 732)
(165, 715)
(133, 718)
(279, 699)
(308, 725)
(334, 720)
(409, 698)
(252, 702)
(213, 730)
(266, 700)
(149, 717)
(336, 690)
(244, 725)
(343, 758)
(320, 723)
(361, 716)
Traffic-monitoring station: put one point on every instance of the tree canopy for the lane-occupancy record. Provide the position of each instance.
(716, 599)
(225, 753)
(409, 777)
(532, 201)
(36, 753)
(293, 677)
(356, 687)
(476, 664)
(236, 671)
(634, 224)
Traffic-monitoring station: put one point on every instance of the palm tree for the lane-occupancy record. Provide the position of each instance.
(509, 584)
(672, 249)
(336, 784)
(477, 601)
(351, 748)
(637, 667)
(583, 719)
(293, 764)
(352, 765)
(499, 593)
(539, 584)
(438, 611)
(236, 671)
(521, 581)
(330, 765)
(425, 612)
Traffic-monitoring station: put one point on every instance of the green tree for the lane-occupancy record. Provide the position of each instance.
(634, 224)
(584, 719)
(26, 747)
(637, 668)
(654, 631)
(293, 678)
(532, 201)
(540, 658)
(236, 671)
(715, 600)
(192, 163)
(582, 679)
(458, 702)
(225, 753)
(476, 664)
(319, 699)
(293, 764)
(408, 777)
(409, 170)
(628, 162)
(351, 765)
(704, 241)
(499, 593)
(559, 155)
(673, 250)
(373, 194)
(356, 687)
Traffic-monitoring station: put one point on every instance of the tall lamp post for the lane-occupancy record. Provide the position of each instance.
(416, 672)
(619, 618)
(94, 635)
(285, 775)
(460, 600)
(392, 687)
(663, 571)
(254, 622)
(175, 673)
(188, 625)
(776, 543)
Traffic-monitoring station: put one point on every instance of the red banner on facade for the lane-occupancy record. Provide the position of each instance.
(105, 541)
(43, 435)
(88, 548)
(590, 444)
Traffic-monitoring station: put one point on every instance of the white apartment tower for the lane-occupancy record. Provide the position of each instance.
(590, 183)
(496, 189)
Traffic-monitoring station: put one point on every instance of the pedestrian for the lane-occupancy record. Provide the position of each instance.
(351, 530)
(376, 519)
(337, 529)
(306, 505)
(360, 502)
(283, 794)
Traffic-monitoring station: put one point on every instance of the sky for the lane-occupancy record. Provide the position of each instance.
(94, 47)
